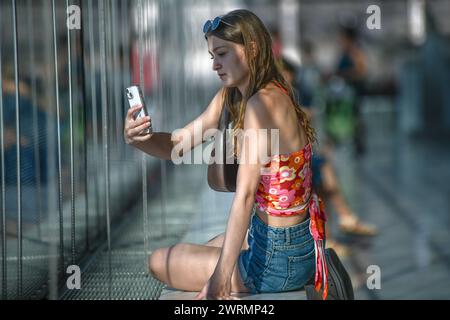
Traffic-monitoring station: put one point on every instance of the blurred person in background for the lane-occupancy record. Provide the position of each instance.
(28, 154)
(305, 80)
(352, 68)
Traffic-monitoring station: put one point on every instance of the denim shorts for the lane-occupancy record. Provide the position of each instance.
(278, 258)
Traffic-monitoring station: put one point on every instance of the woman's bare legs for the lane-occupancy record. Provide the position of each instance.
(217, 241)
(189, 266)
(348, 221)
(332, 188)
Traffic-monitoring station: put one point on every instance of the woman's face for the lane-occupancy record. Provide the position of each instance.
(229, 62)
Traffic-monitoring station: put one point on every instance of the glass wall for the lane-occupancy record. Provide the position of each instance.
(67, 177)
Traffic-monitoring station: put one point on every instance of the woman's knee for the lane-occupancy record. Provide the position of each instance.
(156, 262)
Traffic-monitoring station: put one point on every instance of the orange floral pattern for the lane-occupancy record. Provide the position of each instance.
(286, 183)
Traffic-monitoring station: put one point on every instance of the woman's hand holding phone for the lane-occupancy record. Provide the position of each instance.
(134, 127)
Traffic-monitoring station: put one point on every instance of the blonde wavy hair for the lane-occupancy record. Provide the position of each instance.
(245, 28)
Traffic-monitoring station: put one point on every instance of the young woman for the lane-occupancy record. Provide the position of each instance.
(283, 247)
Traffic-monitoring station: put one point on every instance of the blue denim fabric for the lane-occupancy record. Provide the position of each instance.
(278, 259)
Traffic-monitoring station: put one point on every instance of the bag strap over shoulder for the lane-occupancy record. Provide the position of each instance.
(222, 176)
(224, 119)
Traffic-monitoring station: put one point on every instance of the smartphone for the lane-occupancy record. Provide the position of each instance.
(135, 97)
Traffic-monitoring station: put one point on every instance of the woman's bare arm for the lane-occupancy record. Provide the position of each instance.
(246, 185)
(160, 144)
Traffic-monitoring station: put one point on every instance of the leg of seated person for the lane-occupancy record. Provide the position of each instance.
(348, 221)
(217, 241)
(331, 186)
(172, 265)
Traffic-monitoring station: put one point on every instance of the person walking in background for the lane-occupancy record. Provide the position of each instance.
(352, 67)
(324, 177)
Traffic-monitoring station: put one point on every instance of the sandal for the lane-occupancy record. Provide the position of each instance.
(352, 225)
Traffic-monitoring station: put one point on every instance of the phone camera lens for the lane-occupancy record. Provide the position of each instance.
(129, 94)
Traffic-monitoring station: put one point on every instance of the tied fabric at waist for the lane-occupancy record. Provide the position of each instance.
(317, 229)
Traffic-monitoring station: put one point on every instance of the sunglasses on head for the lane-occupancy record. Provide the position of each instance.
(211, 25)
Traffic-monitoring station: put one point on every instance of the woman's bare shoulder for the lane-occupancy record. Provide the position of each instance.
(271, 102)
(258, 106)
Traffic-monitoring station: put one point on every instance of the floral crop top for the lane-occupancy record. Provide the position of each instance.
(286, 182)
(285, 189)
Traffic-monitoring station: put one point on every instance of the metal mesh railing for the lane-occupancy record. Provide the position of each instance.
(67, 177)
